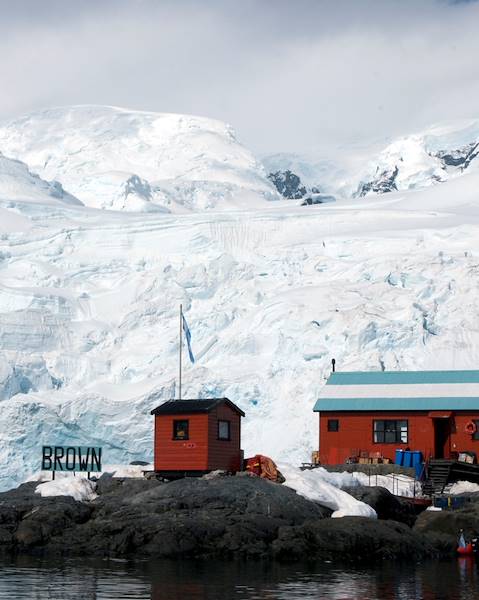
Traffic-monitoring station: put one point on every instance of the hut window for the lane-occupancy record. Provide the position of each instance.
(333, 425)
(224, 430)
(390, 432)
(180, 430)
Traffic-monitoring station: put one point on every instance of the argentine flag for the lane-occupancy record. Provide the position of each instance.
(187, 331)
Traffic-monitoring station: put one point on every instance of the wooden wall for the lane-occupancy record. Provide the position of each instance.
(224, 454)
(356, 433)
(203, 451)
(181, 455)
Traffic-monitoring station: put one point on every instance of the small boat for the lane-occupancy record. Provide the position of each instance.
(465, 550)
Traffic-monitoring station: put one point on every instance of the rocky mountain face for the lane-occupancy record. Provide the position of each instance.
(288, 184)
(421, 160)
(383, 183)
(461, 157)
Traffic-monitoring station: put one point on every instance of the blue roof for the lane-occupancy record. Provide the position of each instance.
(401, 377)
(396, 404)
(400, 391)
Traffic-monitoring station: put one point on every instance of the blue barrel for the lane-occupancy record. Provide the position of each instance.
(417, 462)
(440, 502)
(458, 502)
(399, 458)
(407, 462)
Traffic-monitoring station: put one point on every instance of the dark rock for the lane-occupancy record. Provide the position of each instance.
(317, 199)
(351, 539)
(196, 517)
(444, 527)
(28, 520)
(288, 184)
(139, 187)
(383, 183)
(386, 505)
(450, 522)
(462, 157)
(219, 517)
(227, 516)
(108, 486)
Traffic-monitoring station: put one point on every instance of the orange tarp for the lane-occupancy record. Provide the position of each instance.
(263, 466)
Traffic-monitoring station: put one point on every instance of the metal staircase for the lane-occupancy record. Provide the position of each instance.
(438, 473)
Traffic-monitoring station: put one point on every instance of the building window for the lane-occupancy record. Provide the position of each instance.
(475, 435)
(180, 430)
(390, 432)
(333, 425)
(224, 430)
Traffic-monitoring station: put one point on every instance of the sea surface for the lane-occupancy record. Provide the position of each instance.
(457, 579)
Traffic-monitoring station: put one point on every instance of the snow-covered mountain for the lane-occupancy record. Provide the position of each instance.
(416, 161)
(18, 184)
(272, 291)
(301, 176)
(113, 158)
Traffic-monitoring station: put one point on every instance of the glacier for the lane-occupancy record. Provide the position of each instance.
(272, 291)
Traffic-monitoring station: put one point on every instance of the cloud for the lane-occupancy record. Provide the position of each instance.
(309, 74)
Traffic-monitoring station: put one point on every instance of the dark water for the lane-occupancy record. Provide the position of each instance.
(102, 580)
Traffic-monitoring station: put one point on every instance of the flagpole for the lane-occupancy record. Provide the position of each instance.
(181, 349)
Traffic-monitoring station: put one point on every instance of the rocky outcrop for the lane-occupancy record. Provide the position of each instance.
(222, 517)
(231, 516)
(288, 184)
(386, 505)
(448, 523)
(355, 539)
(462, 157)
(383, 182)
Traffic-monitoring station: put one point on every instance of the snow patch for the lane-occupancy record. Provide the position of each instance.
(316, 484)
(80, 489)
(463, 487)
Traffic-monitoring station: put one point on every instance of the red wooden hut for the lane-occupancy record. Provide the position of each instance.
(193, 437)
(373, 414)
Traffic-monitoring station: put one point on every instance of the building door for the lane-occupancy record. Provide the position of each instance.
(442, 430)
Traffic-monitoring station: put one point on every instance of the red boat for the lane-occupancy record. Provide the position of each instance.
(465, 550)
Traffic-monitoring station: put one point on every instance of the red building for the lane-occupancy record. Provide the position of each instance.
(194, 437)
(375, 413)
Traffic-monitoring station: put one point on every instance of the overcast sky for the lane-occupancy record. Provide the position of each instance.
(295, 75)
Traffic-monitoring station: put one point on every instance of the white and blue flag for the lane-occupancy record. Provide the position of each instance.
(187, 331)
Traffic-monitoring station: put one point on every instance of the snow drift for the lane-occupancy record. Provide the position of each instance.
(79, 489)
(317, 485)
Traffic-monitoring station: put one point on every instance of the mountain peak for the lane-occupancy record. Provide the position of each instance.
(94, 151)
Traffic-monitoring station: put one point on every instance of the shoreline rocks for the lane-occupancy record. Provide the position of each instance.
(226, 517)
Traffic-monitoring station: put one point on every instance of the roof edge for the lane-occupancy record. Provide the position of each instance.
(197, 409)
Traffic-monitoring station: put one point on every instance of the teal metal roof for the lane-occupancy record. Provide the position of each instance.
(396, 404)
(401, 377)
(400, 391)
